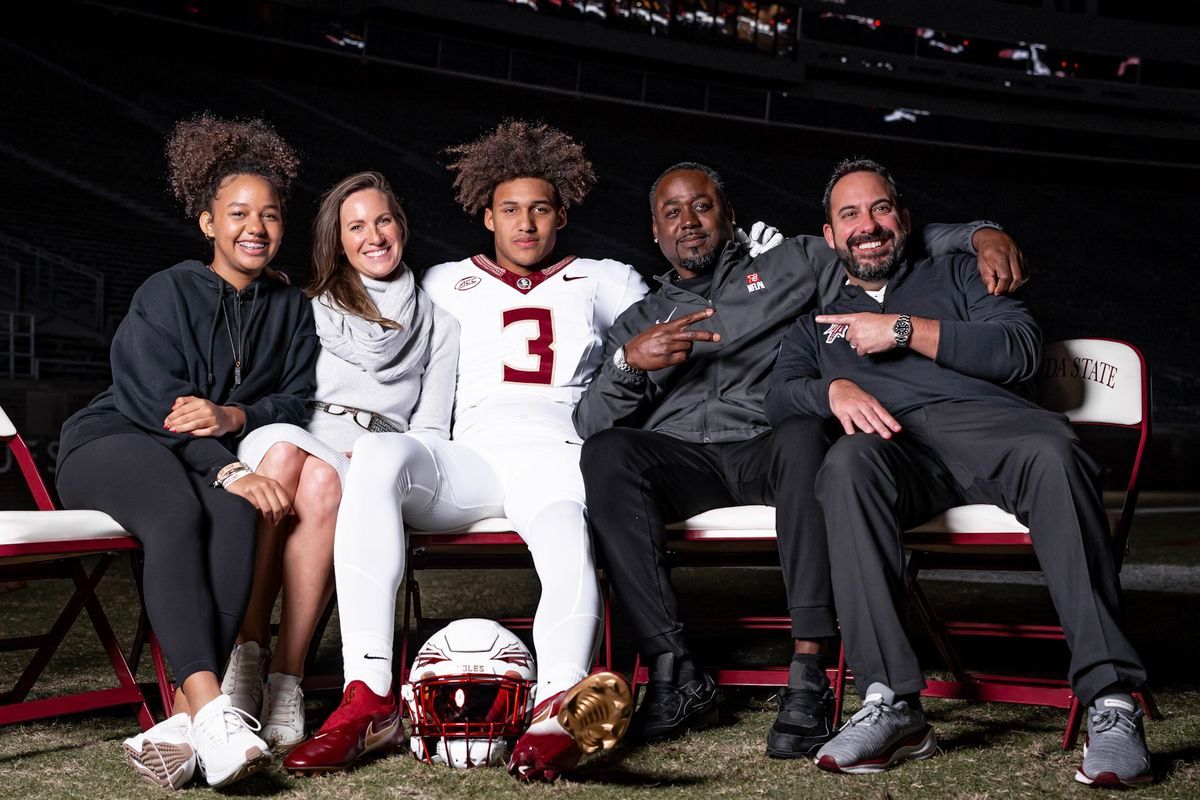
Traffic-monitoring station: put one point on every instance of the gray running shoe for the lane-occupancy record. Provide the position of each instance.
(1115, 753)
(883, 733)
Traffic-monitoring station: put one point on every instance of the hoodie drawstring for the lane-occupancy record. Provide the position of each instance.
(212, 335)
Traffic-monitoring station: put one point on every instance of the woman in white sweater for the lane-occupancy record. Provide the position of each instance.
(385, 393)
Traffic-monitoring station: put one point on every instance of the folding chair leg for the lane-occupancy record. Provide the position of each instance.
(145, 635)
(933, 623)
(111, 647)
(1146, 698)
(839, 686)
(166, 689)
(58, 631)
(1074, 720)
(400, 671)
(139, 641)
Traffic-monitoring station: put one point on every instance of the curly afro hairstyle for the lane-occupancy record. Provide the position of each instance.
(205, 150)
(520, 149)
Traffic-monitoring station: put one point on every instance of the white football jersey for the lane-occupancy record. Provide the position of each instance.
(529, 344)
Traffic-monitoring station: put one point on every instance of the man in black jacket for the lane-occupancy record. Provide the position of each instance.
(932, 400)
(674, 425)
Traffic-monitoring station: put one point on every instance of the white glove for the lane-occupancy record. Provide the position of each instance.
(762, 238)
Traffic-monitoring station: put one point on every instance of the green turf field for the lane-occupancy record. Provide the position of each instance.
(988, 751)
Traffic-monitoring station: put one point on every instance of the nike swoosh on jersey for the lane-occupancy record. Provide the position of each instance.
(574, 277)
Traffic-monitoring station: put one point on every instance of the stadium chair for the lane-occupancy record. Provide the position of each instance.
(486, 544)
(1093, 382)
(742, 536)
(50, 544)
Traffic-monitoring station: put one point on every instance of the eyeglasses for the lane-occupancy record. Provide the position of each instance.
(367, 420)
(361, 418)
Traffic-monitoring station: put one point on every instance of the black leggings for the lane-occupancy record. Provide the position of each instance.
(198, 541)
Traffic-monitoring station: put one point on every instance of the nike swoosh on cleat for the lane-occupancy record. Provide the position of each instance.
(373, 737)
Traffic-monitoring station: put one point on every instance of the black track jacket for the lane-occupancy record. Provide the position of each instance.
(988, 346)
(717, 394)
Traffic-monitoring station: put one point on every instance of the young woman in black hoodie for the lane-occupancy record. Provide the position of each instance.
(207, 353)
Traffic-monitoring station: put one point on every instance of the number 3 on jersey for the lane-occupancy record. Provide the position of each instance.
(540, 347)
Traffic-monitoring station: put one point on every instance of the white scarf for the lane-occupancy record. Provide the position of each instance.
(385, 352)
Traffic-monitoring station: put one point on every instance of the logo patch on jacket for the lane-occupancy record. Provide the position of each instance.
(835, 332)
(754, 283)
(469, 282)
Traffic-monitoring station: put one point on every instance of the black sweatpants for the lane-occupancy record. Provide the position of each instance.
(1027, 461)
(637, 481)
(198, 542)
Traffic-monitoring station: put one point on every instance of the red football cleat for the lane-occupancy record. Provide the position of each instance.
(592, 715)
(363, 723)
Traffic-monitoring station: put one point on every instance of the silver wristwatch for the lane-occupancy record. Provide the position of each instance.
(902, 330)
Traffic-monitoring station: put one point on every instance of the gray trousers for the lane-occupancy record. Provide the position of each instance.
(1027, 461)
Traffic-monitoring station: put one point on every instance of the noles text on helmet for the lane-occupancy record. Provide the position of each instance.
(469, 694)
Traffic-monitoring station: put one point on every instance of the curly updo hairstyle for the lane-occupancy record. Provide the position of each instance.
(205, 150)
(331, 270)
(520, 149)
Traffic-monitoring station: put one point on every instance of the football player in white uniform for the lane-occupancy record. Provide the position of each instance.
(533, 326)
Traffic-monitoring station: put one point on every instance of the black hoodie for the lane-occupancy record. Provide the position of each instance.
(185, 329)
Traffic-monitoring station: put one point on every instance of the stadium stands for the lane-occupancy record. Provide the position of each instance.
(83, 129)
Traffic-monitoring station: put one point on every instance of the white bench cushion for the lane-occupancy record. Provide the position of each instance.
(32, 527)
(730, 518)
(977, 518)
(489, 525)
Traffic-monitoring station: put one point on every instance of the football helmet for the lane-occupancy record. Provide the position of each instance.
(469, 694)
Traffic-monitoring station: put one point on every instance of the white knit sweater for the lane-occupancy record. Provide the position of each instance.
(419, 399)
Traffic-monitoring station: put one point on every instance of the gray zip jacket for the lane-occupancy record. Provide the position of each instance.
(717, 395)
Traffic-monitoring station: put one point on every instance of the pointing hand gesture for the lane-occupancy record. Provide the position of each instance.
(668, 343)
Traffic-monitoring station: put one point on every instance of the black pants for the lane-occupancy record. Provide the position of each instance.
(1025, 460)
(637, 481)
(198, 542)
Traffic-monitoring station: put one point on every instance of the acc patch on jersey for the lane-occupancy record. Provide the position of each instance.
(469, 282)
(754, 283)
(835, 332)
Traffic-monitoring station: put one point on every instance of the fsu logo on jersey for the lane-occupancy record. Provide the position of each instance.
(754, 283)
(835, 332)
(524, 284)
(469, 282)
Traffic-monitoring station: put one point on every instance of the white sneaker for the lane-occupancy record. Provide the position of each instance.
(225, 743)
(283, 711)
(163, 755)
(244, 676)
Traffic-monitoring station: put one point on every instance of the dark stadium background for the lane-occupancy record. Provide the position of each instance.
(1086, 154)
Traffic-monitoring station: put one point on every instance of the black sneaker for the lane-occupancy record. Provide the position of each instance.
(804, 722)
(669, 710)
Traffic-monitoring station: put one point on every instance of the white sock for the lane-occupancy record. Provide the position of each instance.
(368, 658)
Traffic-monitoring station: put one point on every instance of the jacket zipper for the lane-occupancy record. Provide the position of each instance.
(237, 355)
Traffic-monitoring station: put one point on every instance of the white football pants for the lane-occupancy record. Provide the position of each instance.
(420, 480)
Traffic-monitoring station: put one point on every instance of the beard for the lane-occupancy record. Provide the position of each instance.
(868, 270)
(701, 264)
